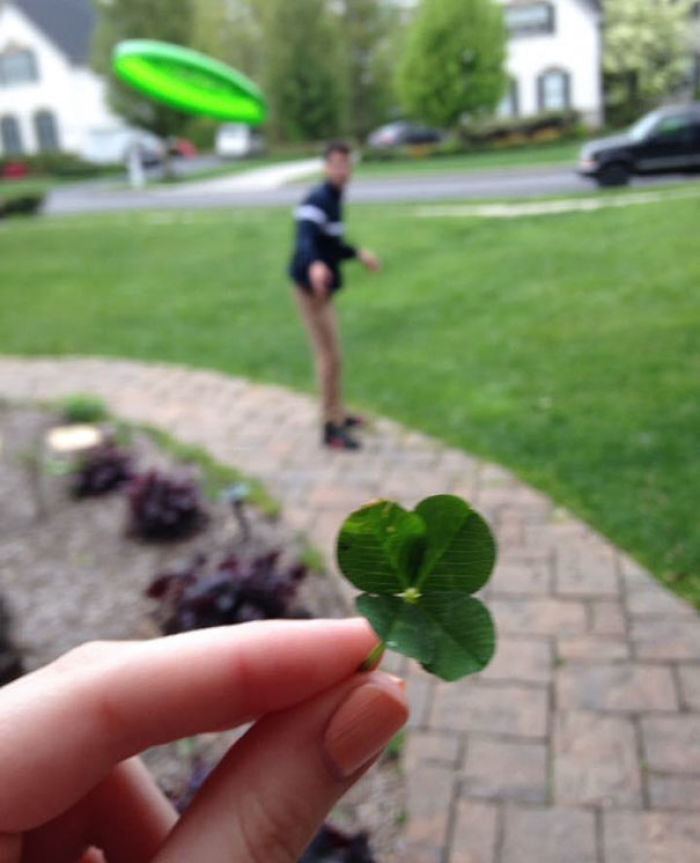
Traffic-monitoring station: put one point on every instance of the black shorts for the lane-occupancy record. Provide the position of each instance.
(301, 279)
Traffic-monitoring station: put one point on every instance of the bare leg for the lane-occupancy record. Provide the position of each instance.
(321, 323)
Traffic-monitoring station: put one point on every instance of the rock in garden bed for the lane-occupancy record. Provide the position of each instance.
(70, 573)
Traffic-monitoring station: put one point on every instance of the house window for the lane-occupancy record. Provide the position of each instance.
(11, 136)
(554, 90)
(18, 67)
(509, 104)
(529, 19)
(46, 131)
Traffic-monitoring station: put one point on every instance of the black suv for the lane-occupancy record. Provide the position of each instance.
(665, 141)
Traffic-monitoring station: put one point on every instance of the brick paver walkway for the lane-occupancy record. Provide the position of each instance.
(581, 742)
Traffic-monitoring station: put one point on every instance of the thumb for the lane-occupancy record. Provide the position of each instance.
(268, 797)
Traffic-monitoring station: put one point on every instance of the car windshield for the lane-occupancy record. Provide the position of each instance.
(642, 127)
(390, 128)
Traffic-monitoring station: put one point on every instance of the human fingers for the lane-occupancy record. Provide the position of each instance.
(62, 840)
(62, 729)
(130, 815)
(10, 848)
(266, 800)
(126, 816)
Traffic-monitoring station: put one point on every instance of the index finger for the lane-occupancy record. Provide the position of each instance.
(63, 728)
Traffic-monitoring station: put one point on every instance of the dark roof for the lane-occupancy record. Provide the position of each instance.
(69, 24)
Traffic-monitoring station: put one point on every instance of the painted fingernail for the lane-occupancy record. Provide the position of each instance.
(365, 723)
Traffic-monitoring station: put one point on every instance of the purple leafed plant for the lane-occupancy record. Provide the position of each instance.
(200, 774)
(233, 591)
(11, 666)
(333, 846)
(164, 508)
(101, 471)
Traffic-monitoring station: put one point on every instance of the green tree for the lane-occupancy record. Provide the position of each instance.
(167, 20)
(647, 53)
(302, 77)
(232, 32)
(368, 28)
(453, 62)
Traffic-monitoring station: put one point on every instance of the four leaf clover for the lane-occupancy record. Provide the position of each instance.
(418, 571)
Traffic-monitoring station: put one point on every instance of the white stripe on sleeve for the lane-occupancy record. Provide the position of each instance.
(310, 213)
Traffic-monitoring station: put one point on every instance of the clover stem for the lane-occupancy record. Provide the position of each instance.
(411, 595)
(374, 658)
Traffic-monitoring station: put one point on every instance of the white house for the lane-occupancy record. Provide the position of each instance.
(49, 97)
(554, 57)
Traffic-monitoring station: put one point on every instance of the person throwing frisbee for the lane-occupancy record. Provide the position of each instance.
(316, 271)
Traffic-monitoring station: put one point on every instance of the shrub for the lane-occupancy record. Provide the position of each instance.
(495, 131)
(233, 591)
(101, 471)
(13, 171)
(63, 165)
(164, 507)
(21, 205)
(84, 409)
(202, 132)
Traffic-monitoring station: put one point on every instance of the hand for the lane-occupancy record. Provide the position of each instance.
(321, 279)
(370, 261)
(66, 788)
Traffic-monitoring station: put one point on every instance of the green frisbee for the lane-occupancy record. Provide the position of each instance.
(189, 81)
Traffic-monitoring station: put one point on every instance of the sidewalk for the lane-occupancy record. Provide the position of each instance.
(253, 180)
(581, 742)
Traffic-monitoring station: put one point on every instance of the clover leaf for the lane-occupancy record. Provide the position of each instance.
(418, 571)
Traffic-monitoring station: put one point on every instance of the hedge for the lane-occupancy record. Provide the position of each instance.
(21, 205)
(492, 134)
(58, 165)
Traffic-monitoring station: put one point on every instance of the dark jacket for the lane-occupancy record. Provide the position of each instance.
(319, 235)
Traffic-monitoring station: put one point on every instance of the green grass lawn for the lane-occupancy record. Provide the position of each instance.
(520, 157)
(564, 347)
(30, 186)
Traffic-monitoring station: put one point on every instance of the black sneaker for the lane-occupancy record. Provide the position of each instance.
(354, 421)
(338, 437)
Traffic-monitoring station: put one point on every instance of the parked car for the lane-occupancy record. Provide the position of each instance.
(112, 146)
(665, 141)
(237, 140)
(402, 133)
(183, 148)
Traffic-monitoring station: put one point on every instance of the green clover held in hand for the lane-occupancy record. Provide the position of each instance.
(418, 571)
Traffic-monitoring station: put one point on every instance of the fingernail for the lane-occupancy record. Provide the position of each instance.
(365, 723)
(398, 681)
